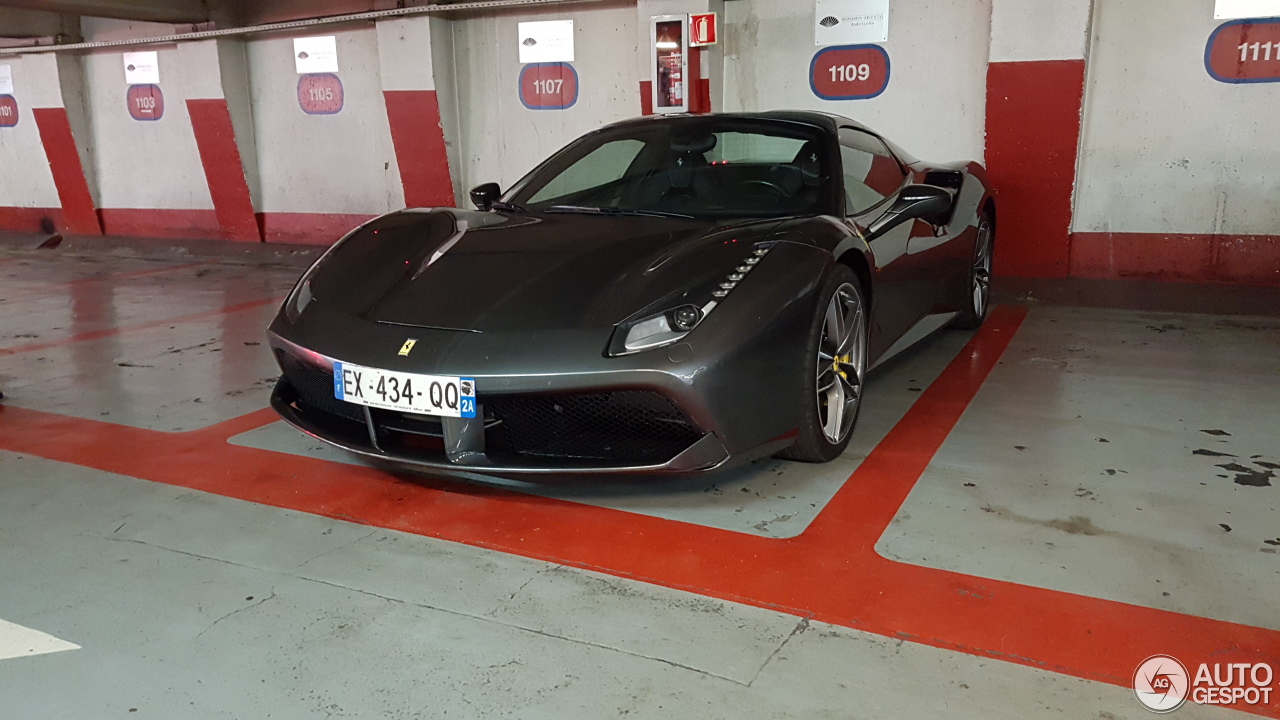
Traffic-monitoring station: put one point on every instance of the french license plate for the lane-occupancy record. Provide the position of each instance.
(407, 392)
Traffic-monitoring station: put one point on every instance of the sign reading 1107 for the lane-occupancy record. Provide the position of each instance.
(548, 86)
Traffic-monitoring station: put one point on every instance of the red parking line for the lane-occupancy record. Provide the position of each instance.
(46, 287)
(830, 572)
(108, 332)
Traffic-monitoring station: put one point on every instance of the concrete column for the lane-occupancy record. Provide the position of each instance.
(406, 65)
(1035, 93)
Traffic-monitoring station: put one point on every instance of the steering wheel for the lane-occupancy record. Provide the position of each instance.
(766, 186)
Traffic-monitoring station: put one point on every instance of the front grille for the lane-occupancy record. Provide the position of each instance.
(315, 388)
(625, 427)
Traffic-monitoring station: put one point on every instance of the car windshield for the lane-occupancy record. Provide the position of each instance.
(695, 167)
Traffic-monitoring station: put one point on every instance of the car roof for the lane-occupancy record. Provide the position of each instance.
(825, 121)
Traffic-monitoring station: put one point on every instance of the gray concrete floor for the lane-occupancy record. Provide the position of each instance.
(1083, 466)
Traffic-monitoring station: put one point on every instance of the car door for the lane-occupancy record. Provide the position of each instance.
(872, 178)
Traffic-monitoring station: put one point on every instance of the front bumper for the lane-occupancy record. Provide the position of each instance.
(485, 444)
(733, 385)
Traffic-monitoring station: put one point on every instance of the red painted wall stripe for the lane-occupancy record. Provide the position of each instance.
(155, 223)
(1033, 135)
(307, 228)
(418, 137)
(29, 219)
(78, 216)
(223, 169)
(1221, 259)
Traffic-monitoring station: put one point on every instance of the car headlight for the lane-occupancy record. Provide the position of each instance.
(670, 326)
(665, 328)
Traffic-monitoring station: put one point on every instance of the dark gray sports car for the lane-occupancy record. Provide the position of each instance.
(664, 295)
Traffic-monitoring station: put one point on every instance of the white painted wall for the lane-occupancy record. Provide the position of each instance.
(1026, 30)
(935, 105)
(343, 163)
(140, 164)
(1165, 148)
(499, 139)
(25, 179)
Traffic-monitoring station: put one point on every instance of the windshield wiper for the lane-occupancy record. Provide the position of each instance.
(508, 206)
(615, 211)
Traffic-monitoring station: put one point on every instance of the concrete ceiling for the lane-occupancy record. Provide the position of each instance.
(223, 12)
(164, 11)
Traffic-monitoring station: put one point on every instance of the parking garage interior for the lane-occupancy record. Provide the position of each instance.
(1069, 512)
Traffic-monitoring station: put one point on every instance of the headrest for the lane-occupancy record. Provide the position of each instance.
(808, 163)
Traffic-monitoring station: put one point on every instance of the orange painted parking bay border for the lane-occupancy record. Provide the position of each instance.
(830, 572)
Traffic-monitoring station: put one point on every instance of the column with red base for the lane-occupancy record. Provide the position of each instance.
(1035, 94)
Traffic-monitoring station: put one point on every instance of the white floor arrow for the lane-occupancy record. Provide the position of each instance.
(17, 641)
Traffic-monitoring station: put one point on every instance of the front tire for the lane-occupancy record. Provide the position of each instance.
(835, 367)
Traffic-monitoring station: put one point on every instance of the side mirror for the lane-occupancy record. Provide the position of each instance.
(915, 201)
(484, 196)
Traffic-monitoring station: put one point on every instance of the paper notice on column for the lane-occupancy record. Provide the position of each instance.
(317, 54)
(850, 22)
(6, 80)
(142, 68)
(546, 41)
(1235, 9)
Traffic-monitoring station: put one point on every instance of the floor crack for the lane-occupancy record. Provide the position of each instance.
(542, 633)
(494, 612)
(335, 549)
(482, 618)
(800, 627)
(236, 611)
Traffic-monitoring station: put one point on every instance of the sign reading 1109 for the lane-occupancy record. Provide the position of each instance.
(849, 72)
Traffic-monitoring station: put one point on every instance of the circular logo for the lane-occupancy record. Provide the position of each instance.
(1161, 684)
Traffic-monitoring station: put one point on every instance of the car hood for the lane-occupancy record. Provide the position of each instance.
(498, 271)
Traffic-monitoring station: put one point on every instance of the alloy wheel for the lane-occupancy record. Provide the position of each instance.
(842, 363)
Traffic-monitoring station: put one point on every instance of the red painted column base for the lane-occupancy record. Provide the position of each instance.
(1033, 132)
